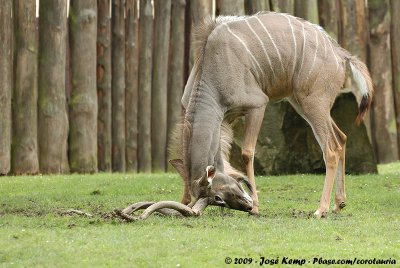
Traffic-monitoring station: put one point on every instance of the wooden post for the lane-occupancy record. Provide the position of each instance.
(145, 63)
(307, 9)
(131, 81)
(254, 6)
(176, 65)
(24, 145)
(104, 136)
(6, 76)
(160, 85)
(52, 111)
(285, 6)
(199, 10)
(230, 7)
(329, 16)
(383, 117)
(395, 49)
(118, 86)
(83, 102)
(353, 35)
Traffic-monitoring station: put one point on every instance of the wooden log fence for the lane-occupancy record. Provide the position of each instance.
(99, 89)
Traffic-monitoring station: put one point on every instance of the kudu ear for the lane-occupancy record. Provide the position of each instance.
(208, 176)
(178, 165)
(210, 173)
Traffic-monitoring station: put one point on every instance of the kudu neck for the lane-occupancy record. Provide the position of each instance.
(203, 126)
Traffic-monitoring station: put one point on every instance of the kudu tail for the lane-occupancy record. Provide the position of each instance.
(363, 81)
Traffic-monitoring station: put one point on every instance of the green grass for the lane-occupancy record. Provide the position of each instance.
(34, 234)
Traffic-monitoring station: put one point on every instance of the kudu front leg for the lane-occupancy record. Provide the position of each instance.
(253, 121)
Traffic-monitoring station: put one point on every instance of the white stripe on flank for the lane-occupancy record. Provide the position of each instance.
(295, 44)
(245, 46)
(337, 62)
(272, 40)
(263, 47)
(304, 48)
(323, 38)
(315, 56)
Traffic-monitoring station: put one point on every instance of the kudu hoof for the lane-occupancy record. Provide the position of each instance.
(320, 214)
(339, 207)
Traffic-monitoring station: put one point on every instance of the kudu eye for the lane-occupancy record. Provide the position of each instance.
(218, 199)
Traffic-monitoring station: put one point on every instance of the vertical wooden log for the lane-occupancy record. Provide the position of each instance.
(24, 145)
(383, 117)
(285, 6)
(328, 16)
(254, 6)
(395, 49)
(145, 63)
(5, 85)
(52, 110)
(162, 12)
(353, 33)
(176, 65)
(83, 102)
(307, 9)
(131, 78)
(104, 136)
(230, 7)
(118, 86)
(199, 10)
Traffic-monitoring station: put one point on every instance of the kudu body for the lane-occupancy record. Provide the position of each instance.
(243, 63)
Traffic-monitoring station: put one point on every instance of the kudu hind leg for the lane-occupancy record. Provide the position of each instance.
(253, 121)
(332, 151)
(340, 196)
(318, 116)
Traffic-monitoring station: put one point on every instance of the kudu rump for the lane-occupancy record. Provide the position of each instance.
(243, 63)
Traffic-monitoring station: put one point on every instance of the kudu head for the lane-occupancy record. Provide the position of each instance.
(220, 189)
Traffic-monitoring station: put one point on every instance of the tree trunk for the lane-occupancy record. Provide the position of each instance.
(83, 102)
(395, 49)
(230, 7)
(104, 137)
(52, 110)
(118, 86)
(24, 145)
(328, 17)
(6, 76)
(160, 85)
(383, 117)
(145, 63)
(307, 9)
(131, 78)
(176, 65)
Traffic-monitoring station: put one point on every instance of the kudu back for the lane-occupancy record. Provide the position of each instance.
(243, 63)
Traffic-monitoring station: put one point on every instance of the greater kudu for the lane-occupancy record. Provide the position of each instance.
(243, 63)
